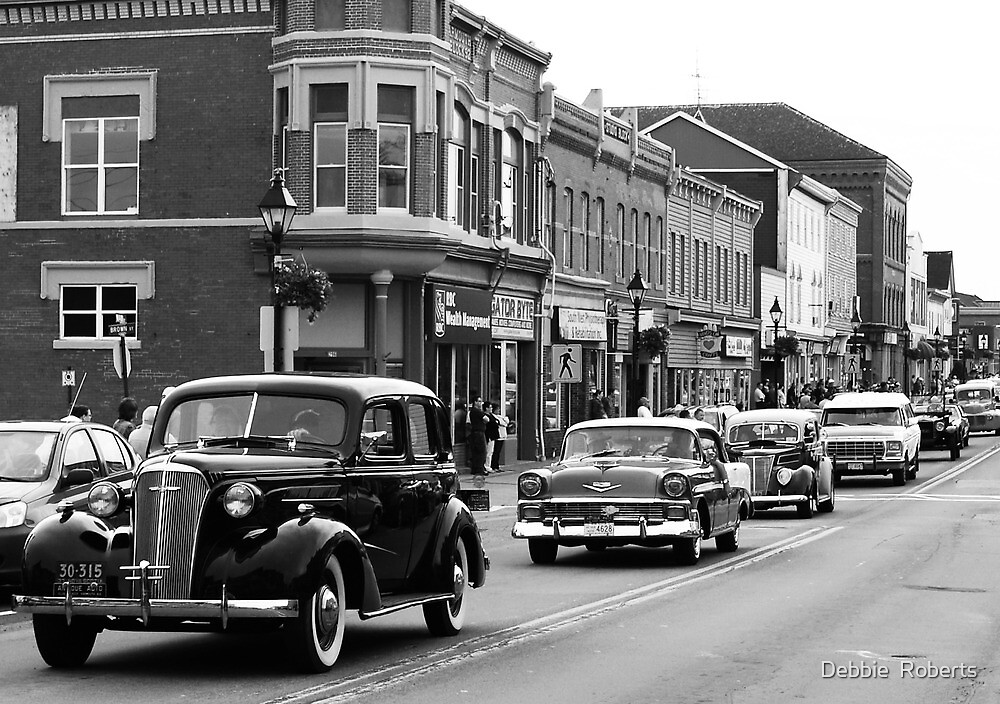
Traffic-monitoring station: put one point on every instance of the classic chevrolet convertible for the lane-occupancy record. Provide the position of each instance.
(634, 481)
(273, 500)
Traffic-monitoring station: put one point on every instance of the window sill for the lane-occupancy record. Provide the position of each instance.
(88, 344)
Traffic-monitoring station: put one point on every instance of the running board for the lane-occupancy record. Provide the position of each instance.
(393, 604)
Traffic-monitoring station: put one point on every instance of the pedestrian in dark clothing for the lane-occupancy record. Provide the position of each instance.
(127, 411)
(609, 409)
(476, 438)
(492, 435)
(595, 407)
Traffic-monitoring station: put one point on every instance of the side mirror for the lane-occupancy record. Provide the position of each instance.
(370, 440)
(76, 477)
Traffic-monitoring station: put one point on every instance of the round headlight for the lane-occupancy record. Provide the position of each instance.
(239, 500)
(939, 426)
(784, 476)
(530, 484)
(104, 499)
(674, 486)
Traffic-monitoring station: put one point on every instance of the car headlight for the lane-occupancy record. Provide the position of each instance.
(104, 499)
(939, 426)
(530, 484)
(240, 499)
(674, 485)
(894, 447)
(12, 514)
(784, 476)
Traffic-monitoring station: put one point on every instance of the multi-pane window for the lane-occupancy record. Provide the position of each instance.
(89, 310)
(697, 268)
(567, 238)
(601, 235)
(718, 273)
(647, 238)
(283, 110)
(329, 112)
(661, 245)
(396, 16)
(634, 228)
(585, 227)
(511, 184)
(457, 172)
(674, 263)
(101, 166)
(620, 223)
(395, 118)
(475, 133)
(330, 14)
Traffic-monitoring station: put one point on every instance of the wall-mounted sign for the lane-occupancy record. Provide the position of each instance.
(576, 324)
(616, 131)
(513, 318)
(461, 315)
(567, 364)
(709, 342)
(738, 346)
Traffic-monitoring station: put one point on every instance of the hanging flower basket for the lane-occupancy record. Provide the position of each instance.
(298, 285)
(786, 346)
(653, 341)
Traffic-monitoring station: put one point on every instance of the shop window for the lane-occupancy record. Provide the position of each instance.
(330, 15)
(101, 166)
(395, 118)
(329, 114)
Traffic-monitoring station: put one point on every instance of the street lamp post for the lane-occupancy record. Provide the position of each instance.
(636, 292)
(856, 346)
(906, 363)
(776, 319)
(937, 360)
(277, 208)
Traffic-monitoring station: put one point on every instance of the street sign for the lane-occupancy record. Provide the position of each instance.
(122, 329)
(853, 364)
(122, 359)
(567, 363)
(936, 364)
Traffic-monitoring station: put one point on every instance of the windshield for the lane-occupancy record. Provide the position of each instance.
(631, 441)
(24, 455)
(974, 395)
(862, 416)
(306, 419)
(776, 431)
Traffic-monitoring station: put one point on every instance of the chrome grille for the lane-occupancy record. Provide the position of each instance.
(598, 510)
(856, 449)
(168, 507)
(760, 472)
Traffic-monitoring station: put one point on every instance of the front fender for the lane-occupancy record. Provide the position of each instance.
(287, 561)
(75, 537)
(457, 521)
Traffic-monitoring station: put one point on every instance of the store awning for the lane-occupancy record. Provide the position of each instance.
(923, 350)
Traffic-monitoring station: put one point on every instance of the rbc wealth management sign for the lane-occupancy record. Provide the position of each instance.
(461, 315)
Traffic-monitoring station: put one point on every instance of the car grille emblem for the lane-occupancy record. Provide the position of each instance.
(164, 488)
(601, 487)
(609, 511)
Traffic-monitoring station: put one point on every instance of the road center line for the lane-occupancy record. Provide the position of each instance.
(390, 675)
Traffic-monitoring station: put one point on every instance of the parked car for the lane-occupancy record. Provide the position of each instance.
(787, 464)
(716, 416)
(942, 427)
(280, 500)
(980, 399)
(634, 481)
(46, 463)
(872, 433)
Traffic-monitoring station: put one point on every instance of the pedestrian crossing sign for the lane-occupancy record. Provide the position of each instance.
(567, 363)
(853, 364)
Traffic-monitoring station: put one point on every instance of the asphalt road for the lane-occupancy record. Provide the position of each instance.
(890, 598)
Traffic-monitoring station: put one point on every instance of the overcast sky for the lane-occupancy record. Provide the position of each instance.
(914, 81)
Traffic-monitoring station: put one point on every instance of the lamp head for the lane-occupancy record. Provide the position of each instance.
(637, 289)
(277, 208)
(775, 312)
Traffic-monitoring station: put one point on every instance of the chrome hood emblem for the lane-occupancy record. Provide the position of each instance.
(601, 487)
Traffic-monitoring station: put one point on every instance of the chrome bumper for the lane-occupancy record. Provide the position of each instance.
(642, 530)
(782, 500)
(146, 609)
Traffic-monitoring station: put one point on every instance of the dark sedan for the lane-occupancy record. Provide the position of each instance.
(943, 427)
(44, 463)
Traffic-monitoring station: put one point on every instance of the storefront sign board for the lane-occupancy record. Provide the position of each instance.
(513, 318)
(576, 324)
(461, 315)
(738, 346)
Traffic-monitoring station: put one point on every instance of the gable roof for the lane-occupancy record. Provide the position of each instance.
(773, 128)
(939, 270)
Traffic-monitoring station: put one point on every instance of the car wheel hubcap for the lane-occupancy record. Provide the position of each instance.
(327, 616)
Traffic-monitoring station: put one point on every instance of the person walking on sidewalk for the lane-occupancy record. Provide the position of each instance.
(492, 434)
(502, 424)
(476, 437)
(127, 411)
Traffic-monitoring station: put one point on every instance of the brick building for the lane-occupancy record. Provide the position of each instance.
(138, 138)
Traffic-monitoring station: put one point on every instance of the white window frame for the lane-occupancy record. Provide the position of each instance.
(101, 167)
(98, 312)
(317, 166)
(405, 167)
(456, 184)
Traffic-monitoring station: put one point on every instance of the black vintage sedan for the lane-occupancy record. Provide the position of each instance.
(787, 464)
(942, 427)
(276, 500)
(634, 481)
(45, 463)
